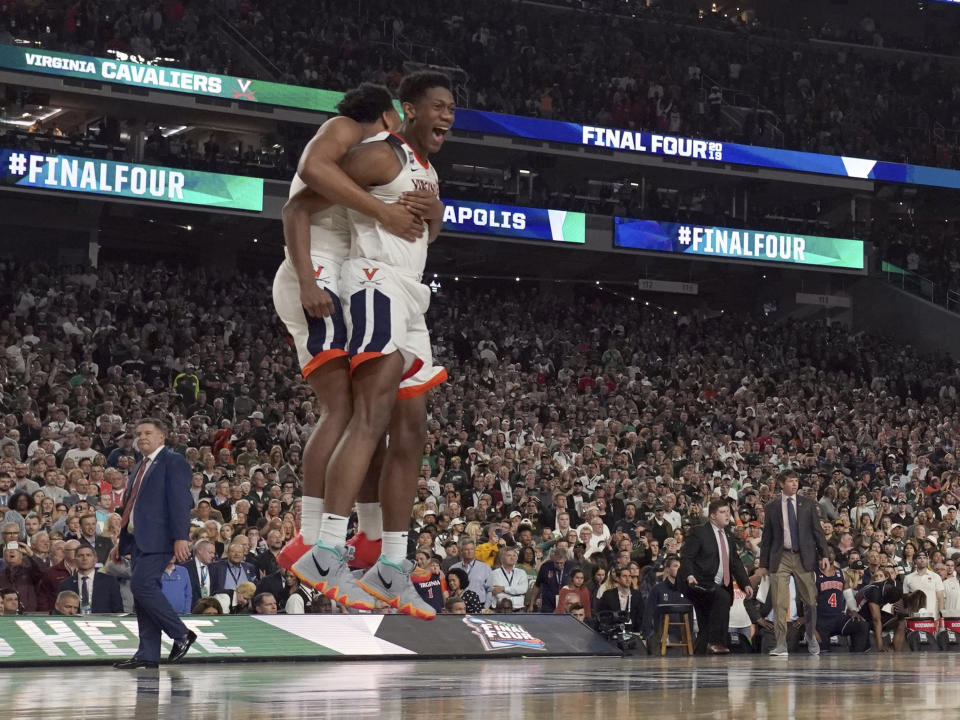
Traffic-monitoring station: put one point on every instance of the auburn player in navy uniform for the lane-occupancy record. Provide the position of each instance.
(832, 616)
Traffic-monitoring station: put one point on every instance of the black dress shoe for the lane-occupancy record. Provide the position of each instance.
(135, 664)
(180, 647)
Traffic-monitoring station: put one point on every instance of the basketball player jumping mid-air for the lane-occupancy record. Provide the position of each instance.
(384, 304)
(305, 294)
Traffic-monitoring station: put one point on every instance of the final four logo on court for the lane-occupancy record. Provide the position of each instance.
(498, 635)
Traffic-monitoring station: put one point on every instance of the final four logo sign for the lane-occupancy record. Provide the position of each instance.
(498, 635)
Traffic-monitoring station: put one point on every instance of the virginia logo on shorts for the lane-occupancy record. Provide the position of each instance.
(370, 272)
(318, 275)
(498, 635)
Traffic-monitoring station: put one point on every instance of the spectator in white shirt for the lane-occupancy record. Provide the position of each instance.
(508, 581)
(924, 579)
(951, 586)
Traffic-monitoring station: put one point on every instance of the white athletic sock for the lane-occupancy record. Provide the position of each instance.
(370, 520)
(333, 530)
(312, 511)
(395, 546)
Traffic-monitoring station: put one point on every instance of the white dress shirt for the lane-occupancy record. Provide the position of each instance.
(515, 584)
(788, 540)
(90, 575)
(722, 546)
(204, 582)
(951, 593)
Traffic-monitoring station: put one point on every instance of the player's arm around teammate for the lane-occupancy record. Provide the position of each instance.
(319, 168)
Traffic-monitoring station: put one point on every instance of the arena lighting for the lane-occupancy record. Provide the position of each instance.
(29, 119)
(171, 130)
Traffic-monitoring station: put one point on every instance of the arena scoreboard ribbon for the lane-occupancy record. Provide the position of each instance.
(156, 77)
(40, 171)
(515, 222)
(737, 244)
(294, 96)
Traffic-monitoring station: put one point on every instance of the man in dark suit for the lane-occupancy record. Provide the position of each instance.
(710, 565)
(623, 599)
(99, 592)
(198, 569)
(226, 574)
(88, 536)
(155, 526)
(792, 542)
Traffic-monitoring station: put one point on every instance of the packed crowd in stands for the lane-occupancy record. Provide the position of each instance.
(576, 441)
(595, 68)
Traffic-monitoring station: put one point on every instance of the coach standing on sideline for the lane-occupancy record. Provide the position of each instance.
(792, 541)
(710, 565)
(155, 526)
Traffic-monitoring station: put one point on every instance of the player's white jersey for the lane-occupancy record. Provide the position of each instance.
(329, 229)
(370, 239)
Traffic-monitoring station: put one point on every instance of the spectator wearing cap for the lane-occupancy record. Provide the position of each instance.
(429, 516)
(658, 526)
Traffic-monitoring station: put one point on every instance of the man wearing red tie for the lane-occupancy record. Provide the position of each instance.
(155, 527)
(791, 544)
(710, 564)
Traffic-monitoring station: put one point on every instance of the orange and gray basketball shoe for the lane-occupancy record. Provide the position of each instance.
(391, 583)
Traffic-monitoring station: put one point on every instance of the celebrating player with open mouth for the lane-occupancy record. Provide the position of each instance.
(384, 304)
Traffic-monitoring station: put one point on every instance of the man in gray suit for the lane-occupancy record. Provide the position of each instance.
(792, 542)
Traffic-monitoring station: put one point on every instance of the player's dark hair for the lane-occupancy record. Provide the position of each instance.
(365, 103)
(415, 85)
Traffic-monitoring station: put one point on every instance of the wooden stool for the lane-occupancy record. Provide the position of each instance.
(686, 635)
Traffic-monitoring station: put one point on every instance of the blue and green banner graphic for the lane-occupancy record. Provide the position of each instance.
(27, 169)
(738, 244)
(293, 96)
(515, 222)
(178, 80)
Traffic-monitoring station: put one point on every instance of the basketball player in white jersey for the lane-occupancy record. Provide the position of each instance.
(305, 294)
(384, 302)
